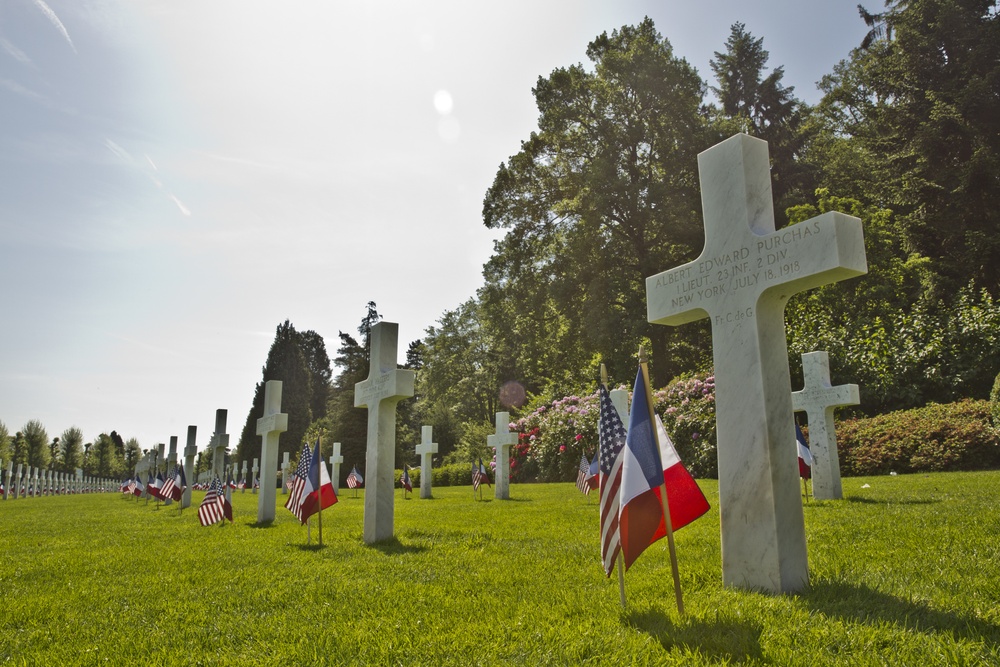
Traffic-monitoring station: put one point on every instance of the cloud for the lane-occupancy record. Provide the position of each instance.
(54, 20)
(15, 52)
(15, 87)
(185, 211)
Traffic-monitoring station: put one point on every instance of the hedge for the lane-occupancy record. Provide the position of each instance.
(938, 437)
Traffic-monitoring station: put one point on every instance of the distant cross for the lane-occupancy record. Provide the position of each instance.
(425, 450)
(220, 444)
(17, 482)
(501, 442)
(190, 452)
(253, 476)
(171, 461)
(243, 477)
(384, 387)
(818, 399)
(284, 474)
(335, 460)
(741, 282)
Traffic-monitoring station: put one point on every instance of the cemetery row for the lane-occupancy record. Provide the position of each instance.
(29, 482)
(741, 281)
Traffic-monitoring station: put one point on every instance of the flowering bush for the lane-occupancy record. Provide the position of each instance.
(553, 437)
(687, 407)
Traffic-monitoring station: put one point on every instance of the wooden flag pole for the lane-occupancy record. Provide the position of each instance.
(618, 559)
(663, 495)
(319, 493)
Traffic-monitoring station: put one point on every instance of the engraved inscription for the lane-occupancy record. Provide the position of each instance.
(760, 264)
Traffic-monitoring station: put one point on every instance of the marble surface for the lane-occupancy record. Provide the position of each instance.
(501, 442)
(426, 450)
(190, 452)
(741, 282)
(818, 400)
(219, 444)
(335, 460)
(385, 387)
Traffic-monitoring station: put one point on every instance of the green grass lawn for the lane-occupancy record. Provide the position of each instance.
(904, 572)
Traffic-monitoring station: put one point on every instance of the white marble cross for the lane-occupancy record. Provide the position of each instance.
(9, 474)
(818, 399)
(335, 460)
(220, 443)
(284, 474)
(171, 462)
(501, 442)
(243, 477)
(380, 393)
(425, 450)
(741, 281)
(254, 480)
(190, 452)
(17, 482)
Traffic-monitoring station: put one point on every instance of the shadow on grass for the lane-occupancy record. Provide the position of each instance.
(392, 546)
(311, 547)
(262, 524)
(894, 501)
(862, 604)
(720, 639)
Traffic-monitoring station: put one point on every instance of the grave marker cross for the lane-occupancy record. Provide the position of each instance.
(741, 282)
(501, 442)
(425, 450)
(335, 460)
(385, 386)
(190, 452)
(818, 399)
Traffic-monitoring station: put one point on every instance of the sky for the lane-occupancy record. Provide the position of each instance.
(178, 177)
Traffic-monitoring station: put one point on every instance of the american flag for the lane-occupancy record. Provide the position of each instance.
(211, 509)
(479, 475)
(583, 474)
(404, 480)
(354, 480)
(168, 486)
(294, 502)
(611, 434)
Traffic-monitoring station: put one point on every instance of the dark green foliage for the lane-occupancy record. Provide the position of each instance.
(938, 437)
(300, 362)
(915, 128)
(995, 404)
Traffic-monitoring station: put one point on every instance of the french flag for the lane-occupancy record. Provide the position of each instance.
(646, 468)
(805, 455)
(318, 489)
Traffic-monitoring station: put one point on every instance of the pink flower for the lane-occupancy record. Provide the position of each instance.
(695, 435)
(579, 437)
(562, 448)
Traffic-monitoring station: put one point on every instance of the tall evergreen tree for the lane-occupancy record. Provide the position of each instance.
(914, 120)
(348, 425)
(762, 106)
(72, 449)
(37, 444)
(286, 361)
(6, 451)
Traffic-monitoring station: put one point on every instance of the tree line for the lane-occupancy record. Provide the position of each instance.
(605, 192)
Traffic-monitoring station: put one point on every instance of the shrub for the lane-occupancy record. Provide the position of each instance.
(938, 437)
(553, 437)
